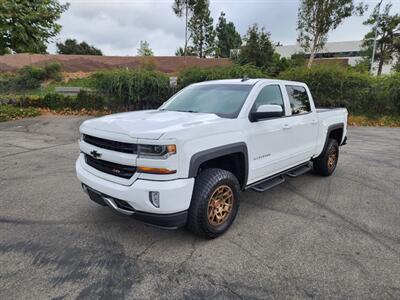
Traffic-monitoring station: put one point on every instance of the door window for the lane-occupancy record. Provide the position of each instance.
(298, 97)
(271, 94)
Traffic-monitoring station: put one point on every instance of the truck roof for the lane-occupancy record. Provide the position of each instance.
(249, 81)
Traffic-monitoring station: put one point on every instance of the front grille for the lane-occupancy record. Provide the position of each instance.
(110, 168)
(110, 145)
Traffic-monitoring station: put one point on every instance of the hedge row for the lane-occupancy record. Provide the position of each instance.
(331, 86)
(360, 93)
(196, 74)
(84, 100)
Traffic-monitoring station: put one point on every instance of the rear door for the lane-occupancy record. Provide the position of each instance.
(302, 124)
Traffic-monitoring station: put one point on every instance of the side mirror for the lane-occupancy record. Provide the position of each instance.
(267, 111)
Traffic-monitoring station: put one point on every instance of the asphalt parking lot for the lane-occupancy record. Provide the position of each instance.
(336, 237)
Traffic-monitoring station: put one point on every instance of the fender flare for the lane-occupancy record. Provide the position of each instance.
(198, 158)
(330, 129)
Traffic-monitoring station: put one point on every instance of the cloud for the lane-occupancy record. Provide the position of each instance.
(116, 27)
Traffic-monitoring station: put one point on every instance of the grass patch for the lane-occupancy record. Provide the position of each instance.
(9, 113)
(377, 121)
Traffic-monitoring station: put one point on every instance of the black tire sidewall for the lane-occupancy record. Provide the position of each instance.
(321, 162)
(205, 185)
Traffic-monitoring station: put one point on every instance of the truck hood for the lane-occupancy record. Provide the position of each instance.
(148, 124)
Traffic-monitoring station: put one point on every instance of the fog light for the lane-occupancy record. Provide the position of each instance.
(155, 199)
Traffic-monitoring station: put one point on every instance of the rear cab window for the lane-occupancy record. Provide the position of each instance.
(299, 100)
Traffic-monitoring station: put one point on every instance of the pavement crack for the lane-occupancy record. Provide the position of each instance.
(145, 250)
(250, 253)
(38, 149)
(189, 257)
(354, 225)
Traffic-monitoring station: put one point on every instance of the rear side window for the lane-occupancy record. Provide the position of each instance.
(271, 94)
(298, 97)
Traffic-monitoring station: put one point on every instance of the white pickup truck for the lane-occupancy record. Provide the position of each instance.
(185, 163)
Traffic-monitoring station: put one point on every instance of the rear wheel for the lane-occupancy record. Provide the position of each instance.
(214, 204)
(325, 164)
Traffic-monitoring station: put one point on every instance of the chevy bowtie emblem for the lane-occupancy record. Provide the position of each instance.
(95, 154)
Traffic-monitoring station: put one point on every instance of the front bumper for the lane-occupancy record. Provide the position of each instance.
(170, 221)
(175, 195)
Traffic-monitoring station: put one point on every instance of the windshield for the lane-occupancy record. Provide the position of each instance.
(224, 100)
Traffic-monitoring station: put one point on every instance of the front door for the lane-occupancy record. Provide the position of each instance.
(269, 142)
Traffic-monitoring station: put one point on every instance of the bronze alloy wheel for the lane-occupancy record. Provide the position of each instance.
(220, 205)
(332, 158)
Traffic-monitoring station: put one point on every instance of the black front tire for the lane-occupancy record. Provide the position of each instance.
(325, 164)
(206, 184)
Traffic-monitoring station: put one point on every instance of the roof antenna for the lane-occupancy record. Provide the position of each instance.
(245, 78)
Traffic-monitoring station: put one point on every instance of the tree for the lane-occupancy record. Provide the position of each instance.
(258, 49)
(184, 8)
(189, 51)
(388, 36)
(144, 49)
(27, 26)
(316, 18)
(71, 46)
(202, 29)
(198, 23)
(228, 37)
(396, 67)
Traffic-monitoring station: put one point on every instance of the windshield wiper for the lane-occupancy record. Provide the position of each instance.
(189, 111)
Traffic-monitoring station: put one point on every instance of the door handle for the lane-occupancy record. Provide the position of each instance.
(287, 126)
(314, 122)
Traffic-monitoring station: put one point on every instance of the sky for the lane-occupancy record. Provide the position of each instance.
(117, 27)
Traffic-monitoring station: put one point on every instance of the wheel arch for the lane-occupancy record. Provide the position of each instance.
(232, 157)
(336, 132)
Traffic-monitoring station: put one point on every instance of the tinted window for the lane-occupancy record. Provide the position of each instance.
(271, 94)
(299, 102)
(224, 100)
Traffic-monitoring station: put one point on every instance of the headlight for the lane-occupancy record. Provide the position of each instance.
(156, 151)
(80, 136)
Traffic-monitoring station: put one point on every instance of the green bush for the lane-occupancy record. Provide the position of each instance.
(388, 93)
(6, 81)
(84, 100)
(90, 101)
(360, 93)
(29, 77)
(27, 101)
(334, 86)
(53, 71)
(196, 74)
(57, 102)
(9, 112)
(132, 89)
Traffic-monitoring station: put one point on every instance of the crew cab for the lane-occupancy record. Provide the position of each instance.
(186, 163)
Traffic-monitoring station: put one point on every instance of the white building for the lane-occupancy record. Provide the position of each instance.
(337, 50)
